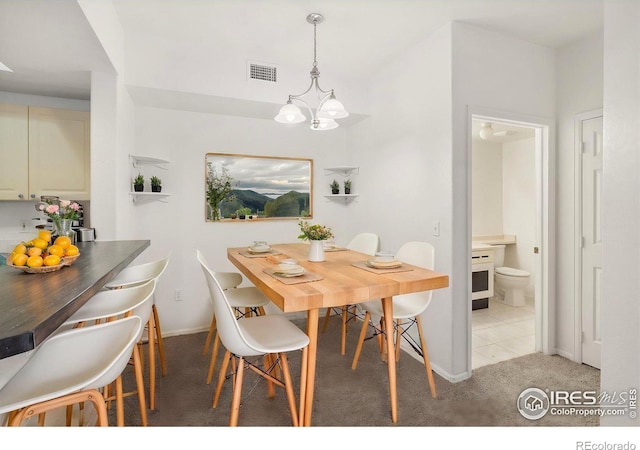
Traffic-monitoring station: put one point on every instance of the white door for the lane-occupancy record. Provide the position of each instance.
(591, 273)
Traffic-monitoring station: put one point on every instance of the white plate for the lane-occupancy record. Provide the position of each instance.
(288, 275)
(386, 265)
(288, 268)
(259, 249)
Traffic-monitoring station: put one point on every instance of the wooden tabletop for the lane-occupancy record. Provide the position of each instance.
(342, 282)
(32, 306)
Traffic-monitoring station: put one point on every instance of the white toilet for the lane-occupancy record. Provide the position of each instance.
(509, 283)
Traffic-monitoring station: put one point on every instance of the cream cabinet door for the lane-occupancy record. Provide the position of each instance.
(14, 152)
(59, 153)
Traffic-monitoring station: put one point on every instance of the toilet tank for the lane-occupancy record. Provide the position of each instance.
(498, 255)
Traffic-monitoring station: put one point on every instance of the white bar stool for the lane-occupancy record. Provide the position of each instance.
(133, 276)
(69, 368)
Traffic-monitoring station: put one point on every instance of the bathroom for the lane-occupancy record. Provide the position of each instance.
(504, 212)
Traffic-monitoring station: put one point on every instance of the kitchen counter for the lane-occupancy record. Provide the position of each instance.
(32, 306)
(500, 239)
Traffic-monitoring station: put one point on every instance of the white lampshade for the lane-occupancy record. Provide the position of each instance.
(486, 131)
(325, 124)
(332, 109)
(290, 113)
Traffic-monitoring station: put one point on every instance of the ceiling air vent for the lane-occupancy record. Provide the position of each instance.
(263, 72)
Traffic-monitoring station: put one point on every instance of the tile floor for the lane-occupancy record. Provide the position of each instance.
(502, 332)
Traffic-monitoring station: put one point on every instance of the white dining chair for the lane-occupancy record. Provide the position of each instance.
(70, 368)
(269, 337)
(369, 244)
(245, 301)
(407, 307)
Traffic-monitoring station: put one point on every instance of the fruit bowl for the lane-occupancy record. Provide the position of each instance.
(43, 269)
(68, 260)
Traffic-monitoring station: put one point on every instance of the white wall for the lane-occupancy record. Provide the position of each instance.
(519, 205)
(486, 188)
(404, 154)
(178, 228)
(579, 87)
(621, 203)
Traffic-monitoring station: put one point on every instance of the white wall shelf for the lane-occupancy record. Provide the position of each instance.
(142, 196)
(346, 197)
(138, 161)
(342, 170)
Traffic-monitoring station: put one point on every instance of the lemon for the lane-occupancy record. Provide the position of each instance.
(45, 235)
(63, 241)
(19, 259)
(35, 261)
(55, 250)
(20, 248)
(72, 250)
(51, 260)
(40, 243)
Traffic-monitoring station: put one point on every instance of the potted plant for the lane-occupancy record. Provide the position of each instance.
(315, 234)
(156, 184)
(243, 212)
(138, 183)
(335, 187)
(347, 186)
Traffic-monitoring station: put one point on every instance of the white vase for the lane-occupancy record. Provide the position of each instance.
(316, 251)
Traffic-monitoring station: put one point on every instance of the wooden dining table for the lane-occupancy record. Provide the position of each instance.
(341, 279)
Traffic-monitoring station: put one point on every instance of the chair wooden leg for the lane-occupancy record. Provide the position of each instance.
(214, 356)
(303, 383)
(137, 368)
(237, 394)
(119, 402)
(207, 343)
(343, 337)
(363, 333)
(326, 320)
(158, 337)
(425, 356)
(41, 419)
(271, 387)
(288, 386)
(221, 377)
(152, 364)
(399, 331)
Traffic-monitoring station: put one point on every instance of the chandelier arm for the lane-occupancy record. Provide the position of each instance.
(294, 97)
(304, 93)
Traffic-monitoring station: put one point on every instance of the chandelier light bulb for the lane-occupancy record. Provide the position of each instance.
(332, 109)
(290, 113)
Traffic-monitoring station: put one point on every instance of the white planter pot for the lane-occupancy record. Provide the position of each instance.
(316, 251)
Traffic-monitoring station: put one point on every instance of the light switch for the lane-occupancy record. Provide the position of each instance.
(435, 228)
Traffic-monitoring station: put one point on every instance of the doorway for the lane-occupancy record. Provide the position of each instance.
(537, 248)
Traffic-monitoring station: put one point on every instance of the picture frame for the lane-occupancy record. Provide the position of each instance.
(242, 187)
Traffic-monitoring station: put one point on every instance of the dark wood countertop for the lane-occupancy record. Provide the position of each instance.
(32, 306)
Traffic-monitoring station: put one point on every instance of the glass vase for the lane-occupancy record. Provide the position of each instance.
(316, 251)
(63, 228)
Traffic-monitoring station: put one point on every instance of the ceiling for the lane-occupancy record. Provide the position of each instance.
(51, 47)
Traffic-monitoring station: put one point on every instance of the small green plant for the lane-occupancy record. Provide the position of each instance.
(243, 212)
(138, 183)
(155, 181)
(347, 184)
(335, 187)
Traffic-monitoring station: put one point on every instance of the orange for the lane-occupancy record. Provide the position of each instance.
(51, 260)
(40, 243)
(45, 235)
(35, 261)
(72, 250)
(63, 241)
(55, 250)
(34, 251)
(20, 248)
(20, 259)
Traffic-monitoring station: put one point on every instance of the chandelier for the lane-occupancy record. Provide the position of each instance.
(328, 109)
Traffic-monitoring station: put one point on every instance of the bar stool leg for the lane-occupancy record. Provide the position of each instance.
(158, 332)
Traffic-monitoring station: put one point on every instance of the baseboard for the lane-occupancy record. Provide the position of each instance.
(405, 347)
(564, 354)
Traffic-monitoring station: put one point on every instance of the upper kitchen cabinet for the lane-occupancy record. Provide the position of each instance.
(14, 152)
(59, 153)
(44, 151)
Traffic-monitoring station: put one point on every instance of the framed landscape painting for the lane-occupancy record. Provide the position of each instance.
(245, 187)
